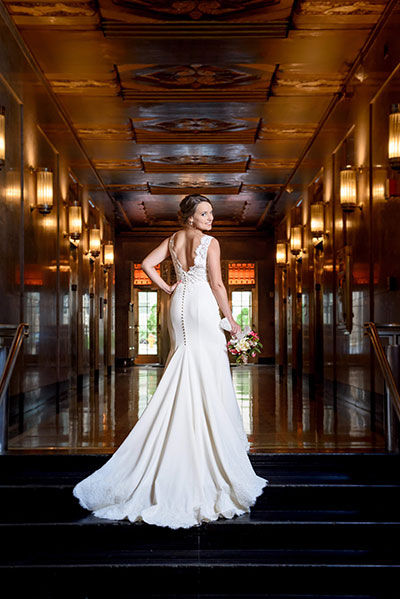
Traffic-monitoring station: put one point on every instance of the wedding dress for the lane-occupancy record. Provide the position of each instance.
(185, 461)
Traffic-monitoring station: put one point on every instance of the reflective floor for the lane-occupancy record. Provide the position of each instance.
(278, 415)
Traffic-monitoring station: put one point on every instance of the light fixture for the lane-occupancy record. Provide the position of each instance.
(380, 184)
(75, 221)
(2, 137)
(296, 240)
(348, 188)
(360, 73)
(108, 255)
(317, 219)
(281, 253)
(44, 190)
(394, 137)
(94, 242)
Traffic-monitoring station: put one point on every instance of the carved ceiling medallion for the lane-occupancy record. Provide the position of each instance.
(194, 76)
(195, 163)
(184, 187)
(204, 159)
(204, 125)
(194, 9)
(191, 130)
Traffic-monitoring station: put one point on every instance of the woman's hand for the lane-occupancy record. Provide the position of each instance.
(172, 287)
(235, 328)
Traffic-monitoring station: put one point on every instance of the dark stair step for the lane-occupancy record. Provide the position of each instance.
(125, 580)
(377, 502)
(59, 556)
(95, 535)
(278, 468)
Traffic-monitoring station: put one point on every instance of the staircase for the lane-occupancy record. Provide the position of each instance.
(327, 526)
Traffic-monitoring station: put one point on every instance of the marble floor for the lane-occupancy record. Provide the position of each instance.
(278, 415)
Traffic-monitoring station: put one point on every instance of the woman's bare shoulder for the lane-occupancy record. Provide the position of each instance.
(214, 244)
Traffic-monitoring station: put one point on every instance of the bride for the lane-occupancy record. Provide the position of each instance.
(186, 459)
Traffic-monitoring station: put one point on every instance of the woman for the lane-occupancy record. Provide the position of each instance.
(185, 461)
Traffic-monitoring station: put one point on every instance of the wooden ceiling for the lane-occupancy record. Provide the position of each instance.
(173, 97)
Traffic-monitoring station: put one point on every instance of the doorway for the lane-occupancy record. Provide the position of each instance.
(147, 326)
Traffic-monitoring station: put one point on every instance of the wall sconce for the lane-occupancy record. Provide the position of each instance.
(281, 253)
(94, 242)
(317, 219)
(394, 137)
(75, 221)
(2, 137)
(44, 190)
(296, 241)
(348, 189)
(108, 255)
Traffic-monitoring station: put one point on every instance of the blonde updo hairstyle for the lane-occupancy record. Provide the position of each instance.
(188, 206)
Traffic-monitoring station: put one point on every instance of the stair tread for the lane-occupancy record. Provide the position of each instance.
(334, 512)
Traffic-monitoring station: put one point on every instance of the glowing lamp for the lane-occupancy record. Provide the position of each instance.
(44, 190)
(108, 254)
(2, 137)
(348, 189)
(296, 242)
(317, 219)
(394, 137)
(281, 253)
(94, 242)
(75, 221)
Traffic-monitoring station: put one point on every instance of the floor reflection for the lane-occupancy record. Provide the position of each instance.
(278, 415)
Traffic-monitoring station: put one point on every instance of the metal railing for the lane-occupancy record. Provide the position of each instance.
(392, 395)
(7, 363)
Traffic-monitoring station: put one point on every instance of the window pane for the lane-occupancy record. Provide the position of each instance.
(242, 308)
(147, 303)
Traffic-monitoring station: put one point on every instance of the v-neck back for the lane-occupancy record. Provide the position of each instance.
(195, 252)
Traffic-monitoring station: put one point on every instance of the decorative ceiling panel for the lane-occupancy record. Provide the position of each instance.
(193, 19)
(87, 87)
(111, 133)
(68, 13)
(194, 82)
(231, 87)
(292, 83)
(195, 9)
(113, 165)
(229, 210)
(195, 130)
(202, 187)
(336, 14)
(289, 131)
(195, 164)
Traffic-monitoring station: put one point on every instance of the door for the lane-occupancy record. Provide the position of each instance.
(147, 326)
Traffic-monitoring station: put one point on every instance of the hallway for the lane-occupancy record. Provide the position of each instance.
(278, 414)
(285, 114)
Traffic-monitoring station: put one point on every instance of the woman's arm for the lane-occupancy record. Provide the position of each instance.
(217, 284)
(151, 260)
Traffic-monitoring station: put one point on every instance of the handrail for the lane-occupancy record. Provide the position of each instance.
(372, 331)
(18, 333)
(21, 332)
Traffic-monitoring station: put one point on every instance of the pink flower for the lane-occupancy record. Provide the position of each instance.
(253, 354)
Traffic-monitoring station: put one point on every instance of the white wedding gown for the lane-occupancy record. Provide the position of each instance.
(185, 461)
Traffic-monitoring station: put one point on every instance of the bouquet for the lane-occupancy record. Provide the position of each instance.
(244, 344)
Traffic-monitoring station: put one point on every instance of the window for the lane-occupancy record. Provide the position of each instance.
(147, 304)
(242, 310)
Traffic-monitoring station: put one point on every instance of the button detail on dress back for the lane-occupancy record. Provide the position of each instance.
(196, 273)
(182, 312)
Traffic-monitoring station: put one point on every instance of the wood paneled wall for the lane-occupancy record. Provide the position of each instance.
(357, 134)
(44, 281)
